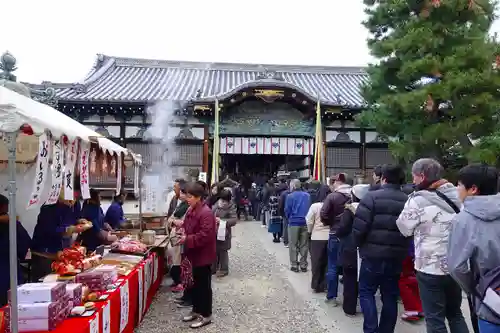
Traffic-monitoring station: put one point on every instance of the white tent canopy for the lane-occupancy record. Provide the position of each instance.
(17, 110)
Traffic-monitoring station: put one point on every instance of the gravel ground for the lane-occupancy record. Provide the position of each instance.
(255, 297)
(262, 295)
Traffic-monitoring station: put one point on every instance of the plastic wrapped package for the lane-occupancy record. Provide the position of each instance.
(40, 292)
(74, 291)
(97, 280)
(33, 325)
(39, 310)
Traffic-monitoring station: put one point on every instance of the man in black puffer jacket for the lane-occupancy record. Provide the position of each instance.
(382, 249)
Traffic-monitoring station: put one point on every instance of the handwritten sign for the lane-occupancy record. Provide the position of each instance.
(69, 177)
(113, 166)
(141, 293)
(124, 306)
(150, 276)
(155, 268)
(94, 324)
(119, 175)
(42, 168)
(57, 173)
(93, 162)
(106, 318)
(84, 170)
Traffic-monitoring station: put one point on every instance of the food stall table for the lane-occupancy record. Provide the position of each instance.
(119, 313)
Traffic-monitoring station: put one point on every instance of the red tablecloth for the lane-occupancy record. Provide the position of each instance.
(108, 313)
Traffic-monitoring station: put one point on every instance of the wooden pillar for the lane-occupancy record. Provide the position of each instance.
(205, 150)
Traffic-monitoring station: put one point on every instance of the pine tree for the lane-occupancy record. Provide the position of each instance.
(435, 88)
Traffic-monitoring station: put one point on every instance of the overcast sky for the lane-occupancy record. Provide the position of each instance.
(56, 40)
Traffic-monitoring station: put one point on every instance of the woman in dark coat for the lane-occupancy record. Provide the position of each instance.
(199, 246)
(225, 215)
(349, 252)
(95, 236)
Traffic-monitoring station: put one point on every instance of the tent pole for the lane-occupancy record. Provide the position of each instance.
(12, 232)
(140, 196)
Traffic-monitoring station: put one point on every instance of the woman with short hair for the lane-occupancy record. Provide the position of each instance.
(199, 246)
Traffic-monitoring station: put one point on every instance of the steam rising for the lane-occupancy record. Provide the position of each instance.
(160, 175)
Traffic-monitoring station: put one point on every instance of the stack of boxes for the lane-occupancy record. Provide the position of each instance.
(42, 306)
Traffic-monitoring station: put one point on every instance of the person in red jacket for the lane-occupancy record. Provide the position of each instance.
(199, 246)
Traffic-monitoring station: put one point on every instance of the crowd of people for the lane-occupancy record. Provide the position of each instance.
(427, 243)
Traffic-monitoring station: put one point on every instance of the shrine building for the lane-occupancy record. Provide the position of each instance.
(267, 114)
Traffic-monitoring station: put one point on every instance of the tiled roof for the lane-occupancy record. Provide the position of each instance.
(115, 79)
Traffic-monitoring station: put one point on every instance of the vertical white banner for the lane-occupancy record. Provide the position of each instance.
(57, 173)
(94, 324)
(230, 145)
(238, 146)
(106, 318)
(252, 146)
(69, 172)
(141, 292)
(119, 174)
(84, 170)
(42, 169)
(155, 268)
(136, 180)
(124, 306)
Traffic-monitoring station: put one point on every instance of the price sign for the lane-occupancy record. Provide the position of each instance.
(124, 306)
(141, 293)
(94, 324)
(106, 318)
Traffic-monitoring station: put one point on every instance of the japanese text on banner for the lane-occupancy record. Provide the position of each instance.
(124, 306)
(42, 168)
(155, 268)
(145, 286)
(106, 318)
(57, 173)
(94, 324)
(140, 273)
(84, 170)
(69, 177)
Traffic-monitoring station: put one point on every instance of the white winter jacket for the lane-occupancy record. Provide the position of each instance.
(428, 219)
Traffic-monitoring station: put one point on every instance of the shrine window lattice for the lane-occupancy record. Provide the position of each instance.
(342, 158)
(378, 156)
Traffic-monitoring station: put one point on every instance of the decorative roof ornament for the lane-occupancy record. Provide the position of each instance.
(8, 65)
(45, 96)
(9, 80)
(267, 74)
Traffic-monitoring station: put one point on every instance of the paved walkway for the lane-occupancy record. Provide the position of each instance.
(262, 295)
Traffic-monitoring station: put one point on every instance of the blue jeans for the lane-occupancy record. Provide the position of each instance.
(332, 277)
(487, 327)
(383, 274)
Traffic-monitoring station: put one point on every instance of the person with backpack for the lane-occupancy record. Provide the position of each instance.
(349, 252)
(330, 214)
(474, 243)
(382, 249)
(428, 216)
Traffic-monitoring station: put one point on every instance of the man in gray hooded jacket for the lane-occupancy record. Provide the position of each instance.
(474, 243)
